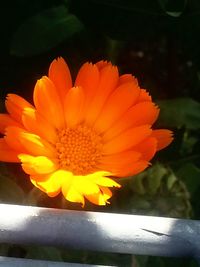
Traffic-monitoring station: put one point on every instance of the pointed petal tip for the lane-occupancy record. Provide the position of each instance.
(164, 137)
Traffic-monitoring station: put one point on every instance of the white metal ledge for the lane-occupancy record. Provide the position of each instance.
(120, 233)
(16, 262)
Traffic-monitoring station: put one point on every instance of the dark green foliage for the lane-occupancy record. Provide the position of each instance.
(44, 31)
(186, 112)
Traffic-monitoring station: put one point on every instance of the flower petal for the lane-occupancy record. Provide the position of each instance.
(70, 192)
(108, 162)
(37, 124)
(84, 186)
(144, 96)
(51, 183)
(100, 179)
(73, 195)
(37, 165)
(126, 78)
(100, 198)
(35, 145)
(124, 170)
(12, 134)
(59, 74)
(147, 148)
(48, 103)
(132, 169)
(127, 139)
(107, 182)
(107, 83)
(113, 109)
(88, 79)
(124, 163)
(73, 106)
(47, 187)
(164, 137)
(102, 64)
(140, 114)
(6, 153)
(5, 121)
(15, 105)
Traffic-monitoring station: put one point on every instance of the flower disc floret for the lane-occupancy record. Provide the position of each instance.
(78, 149)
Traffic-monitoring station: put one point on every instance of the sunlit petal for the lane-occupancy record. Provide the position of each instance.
(127, 94)
(48, 102)
(127, 139)
(107, 83)
(37, 165)
(35, 123)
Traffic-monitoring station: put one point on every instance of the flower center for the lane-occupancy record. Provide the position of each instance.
(78, 149)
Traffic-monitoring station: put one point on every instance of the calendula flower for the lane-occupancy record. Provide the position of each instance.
(74, 139)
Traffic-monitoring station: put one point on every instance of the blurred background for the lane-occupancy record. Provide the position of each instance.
(158, 41)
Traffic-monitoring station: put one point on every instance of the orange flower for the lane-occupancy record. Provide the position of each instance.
(74, 139)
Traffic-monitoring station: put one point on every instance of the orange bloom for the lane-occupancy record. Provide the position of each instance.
(74, 139)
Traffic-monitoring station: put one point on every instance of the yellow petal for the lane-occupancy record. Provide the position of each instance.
(37, 165)
(73, 195)
(107, 182)
(100, 198)
(84, 185)
(100, 179)
(51, 183)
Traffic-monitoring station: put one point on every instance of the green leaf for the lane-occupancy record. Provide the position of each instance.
(136, 184)
(10, 192)
(44, 31)
(173, 8)
(162, 193)
(155, 177)
(171, 180)
(190, 174)
(180, 112)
